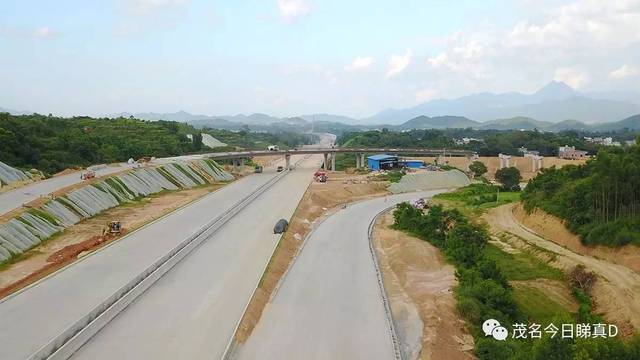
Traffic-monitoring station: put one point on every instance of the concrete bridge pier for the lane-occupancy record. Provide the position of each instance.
(536, 163)
(363, 163)
(287, 159)
(504, 160)
(358, 163)
(238, 164)
(333, 161)
(325, 164)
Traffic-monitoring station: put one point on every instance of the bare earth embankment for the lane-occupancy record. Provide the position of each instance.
(419, 283)
(617, 290)
(552, 228)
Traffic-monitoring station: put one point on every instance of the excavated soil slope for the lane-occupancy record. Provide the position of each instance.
(617, 290)
(552, 228)
(420, 283)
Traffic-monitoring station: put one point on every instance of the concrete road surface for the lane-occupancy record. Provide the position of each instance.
(15, 198)
(192, 311)
(31, 318)
(329, 305)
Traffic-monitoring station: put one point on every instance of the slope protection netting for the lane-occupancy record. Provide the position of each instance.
(32, 227)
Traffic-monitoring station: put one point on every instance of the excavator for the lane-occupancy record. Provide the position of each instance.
(115, 228)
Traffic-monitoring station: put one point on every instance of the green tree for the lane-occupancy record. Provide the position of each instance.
(509, 178)
(478, 168)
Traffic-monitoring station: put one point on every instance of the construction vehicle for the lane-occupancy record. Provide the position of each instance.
(320, 176)
(420, 204)
(257, 169)
(88, 174)
(115, 228)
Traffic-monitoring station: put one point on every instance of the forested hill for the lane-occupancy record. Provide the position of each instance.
(52, 144)
(490, 142)
(600, 200)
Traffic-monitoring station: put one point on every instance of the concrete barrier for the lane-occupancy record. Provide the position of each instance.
(398, 355)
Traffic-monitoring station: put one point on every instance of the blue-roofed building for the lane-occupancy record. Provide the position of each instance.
(382, 162)
(412, 164)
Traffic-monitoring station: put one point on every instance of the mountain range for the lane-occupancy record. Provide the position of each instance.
(554, 102)
(515, 123)
(554, 107)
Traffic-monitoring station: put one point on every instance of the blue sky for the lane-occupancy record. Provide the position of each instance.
(291, 57)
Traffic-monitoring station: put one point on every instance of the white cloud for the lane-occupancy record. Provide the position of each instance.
(292, 9)
(425, 95)
(359, 63)
(571, 76)
(397, 63)
(624, 71)
(576, 43)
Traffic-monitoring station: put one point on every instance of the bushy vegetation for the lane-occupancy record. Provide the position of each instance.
(600, 200)
(478, 168)
(386, 138)
(484, 292)
(510, 178)
(260, 140)
(491, 142)
(52, 144)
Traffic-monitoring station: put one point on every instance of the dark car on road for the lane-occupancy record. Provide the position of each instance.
(280, 168)
(281, 226)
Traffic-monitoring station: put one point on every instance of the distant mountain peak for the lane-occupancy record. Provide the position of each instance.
(555, 90)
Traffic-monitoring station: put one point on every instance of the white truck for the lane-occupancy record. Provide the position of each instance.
(273, 148)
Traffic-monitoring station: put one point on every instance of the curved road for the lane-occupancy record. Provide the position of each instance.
(329, 305)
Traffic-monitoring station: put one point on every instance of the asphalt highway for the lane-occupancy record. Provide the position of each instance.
(329, 305)
(34, 316)
(192, 311)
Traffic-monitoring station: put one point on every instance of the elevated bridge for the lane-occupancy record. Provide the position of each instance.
(330, 152)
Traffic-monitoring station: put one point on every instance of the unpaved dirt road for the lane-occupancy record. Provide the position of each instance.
(616, 293)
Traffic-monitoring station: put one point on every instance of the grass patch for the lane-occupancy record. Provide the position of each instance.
(538, 306)
(475, 199)
(522, 266)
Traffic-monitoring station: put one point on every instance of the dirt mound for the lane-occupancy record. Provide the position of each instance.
(416, 276)
(552, 228)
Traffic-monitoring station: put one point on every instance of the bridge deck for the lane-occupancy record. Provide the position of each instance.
(405, 151)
